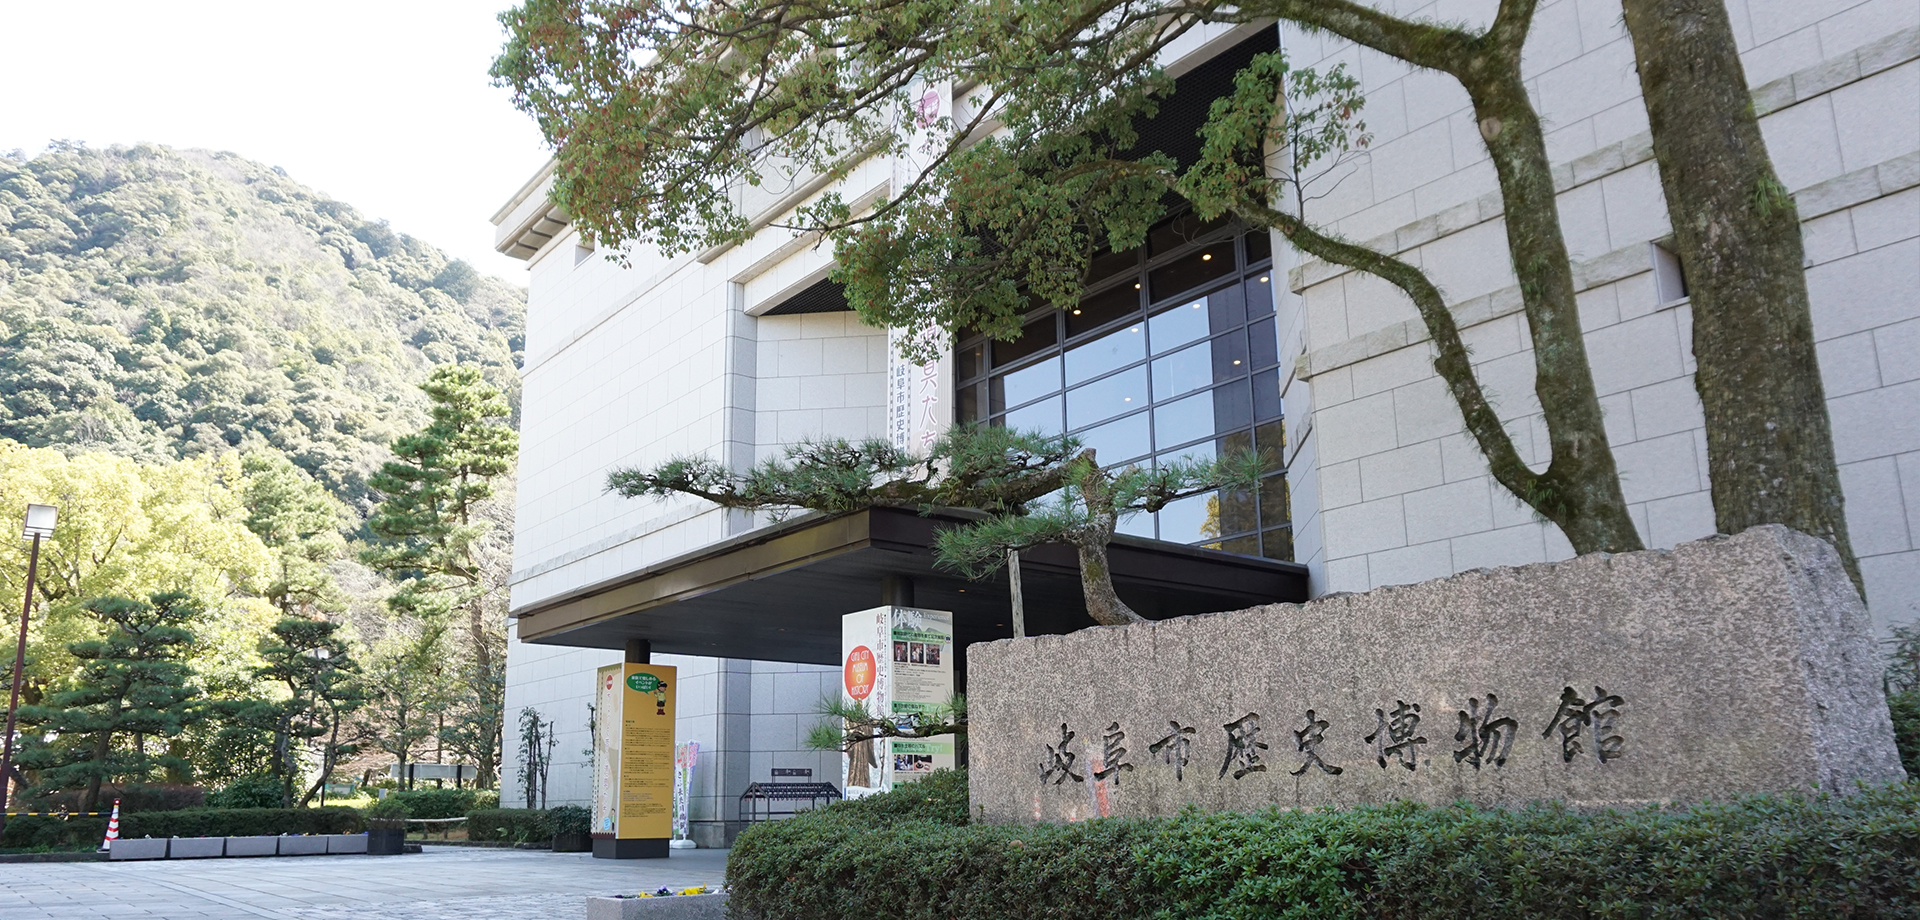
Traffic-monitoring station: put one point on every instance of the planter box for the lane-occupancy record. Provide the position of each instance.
(253, 846)
(315, 845)
(346, 843)
(147, 848)
(196, 847)
(677, 907)
(386, 841)
(572, 843)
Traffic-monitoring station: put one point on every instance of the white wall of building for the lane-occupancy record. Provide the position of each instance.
(1388, 488)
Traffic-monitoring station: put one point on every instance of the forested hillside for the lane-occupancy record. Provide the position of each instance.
(163, 303)
(247, 401)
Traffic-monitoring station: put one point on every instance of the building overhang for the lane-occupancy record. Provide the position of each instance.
(530, 220)
(778, 593)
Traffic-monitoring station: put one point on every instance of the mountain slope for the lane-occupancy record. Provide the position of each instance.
(167, 303)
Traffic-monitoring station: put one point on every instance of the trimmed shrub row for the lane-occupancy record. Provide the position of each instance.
(440, 803)
(36, 832)
(242, 822)
(509, 825)
(911, 852)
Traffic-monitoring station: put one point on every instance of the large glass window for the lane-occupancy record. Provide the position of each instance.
(1171, 354)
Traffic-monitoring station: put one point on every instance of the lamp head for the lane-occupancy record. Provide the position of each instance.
(40, 521)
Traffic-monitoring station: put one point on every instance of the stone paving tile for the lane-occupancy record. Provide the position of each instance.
(444, 882)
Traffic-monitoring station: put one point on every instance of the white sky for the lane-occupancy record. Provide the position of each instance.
(384, 105)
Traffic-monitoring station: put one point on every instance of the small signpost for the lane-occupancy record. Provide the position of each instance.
(634, 781)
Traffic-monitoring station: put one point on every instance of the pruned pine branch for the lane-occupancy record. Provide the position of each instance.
(982, 467)
(845, 724)
(1081, 515)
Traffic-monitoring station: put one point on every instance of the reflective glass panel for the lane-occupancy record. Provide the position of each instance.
(1026, 384)
(1119, 441)
(1183, 372)
(1236, 512)
(1191, 519)
(1259, 246)
(1034, 338)
(1187, 420)
(1263, 345)
(1178, 326)
(1277, 544)
(1043, 416)
(1139, 525)
(1266, 395)
(1273, 501)
(1230, 357)
(970, 360)
(1260, 295)
(1105, 264)
(970, 403)
(1190, 272)
(1201, 451)
(1272, 438)
(1108, 397)
(1116, 349)
(1100, 309)
(1246, 546)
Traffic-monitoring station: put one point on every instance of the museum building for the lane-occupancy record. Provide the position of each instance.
(1207, 338)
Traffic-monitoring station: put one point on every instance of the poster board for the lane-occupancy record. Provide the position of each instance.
(633, 752)
(899, 661)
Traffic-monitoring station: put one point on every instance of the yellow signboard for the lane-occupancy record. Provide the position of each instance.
(646, 752)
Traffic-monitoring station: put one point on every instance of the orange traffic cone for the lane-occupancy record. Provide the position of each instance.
(113, 828)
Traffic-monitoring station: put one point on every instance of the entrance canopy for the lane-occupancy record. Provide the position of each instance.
(777, 593)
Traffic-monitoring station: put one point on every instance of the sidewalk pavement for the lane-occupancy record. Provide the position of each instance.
(442, 882)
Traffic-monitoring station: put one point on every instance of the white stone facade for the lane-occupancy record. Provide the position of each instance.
(1388, 489)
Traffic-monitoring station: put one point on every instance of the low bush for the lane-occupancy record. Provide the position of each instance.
(486, 798)
(242, 822)
(50, 832)
(509, 825)
(1905, 707)
(255, 790)
(907, 853)
(435, 803)
(570, 819)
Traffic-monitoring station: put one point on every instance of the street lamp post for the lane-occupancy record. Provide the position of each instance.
(40, 521)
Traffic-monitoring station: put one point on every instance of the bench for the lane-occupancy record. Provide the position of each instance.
(790, 786)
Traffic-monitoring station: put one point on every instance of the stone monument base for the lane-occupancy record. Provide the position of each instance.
(1723, 667)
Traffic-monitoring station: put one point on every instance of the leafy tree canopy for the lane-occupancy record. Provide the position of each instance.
(166, 303)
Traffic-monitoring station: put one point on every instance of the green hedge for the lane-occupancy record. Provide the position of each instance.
(85, 833)
(35, 832)
(437, 803)
(510, 825)
(242, 822)
(1905, 707)
(910, 853)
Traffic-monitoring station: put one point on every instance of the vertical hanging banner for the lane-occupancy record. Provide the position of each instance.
(646, 753)
(606, 750)
(920, 396)
(897, 661)
(684, 758)
(633, 760)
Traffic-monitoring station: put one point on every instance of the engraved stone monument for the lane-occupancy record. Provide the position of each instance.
(1726, 666)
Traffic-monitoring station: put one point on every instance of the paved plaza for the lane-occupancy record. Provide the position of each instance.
(442, 882)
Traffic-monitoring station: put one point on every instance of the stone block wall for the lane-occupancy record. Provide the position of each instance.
(1724, 667)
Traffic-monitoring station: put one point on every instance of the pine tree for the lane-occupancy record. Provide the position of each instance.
(133, 682)
(432, 528)
(322, 681)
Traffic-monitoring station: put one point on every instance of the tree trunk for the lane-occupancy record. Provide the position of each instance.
(1580, 490)
(1096, 581)
(102, 748)
(1769, 440)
